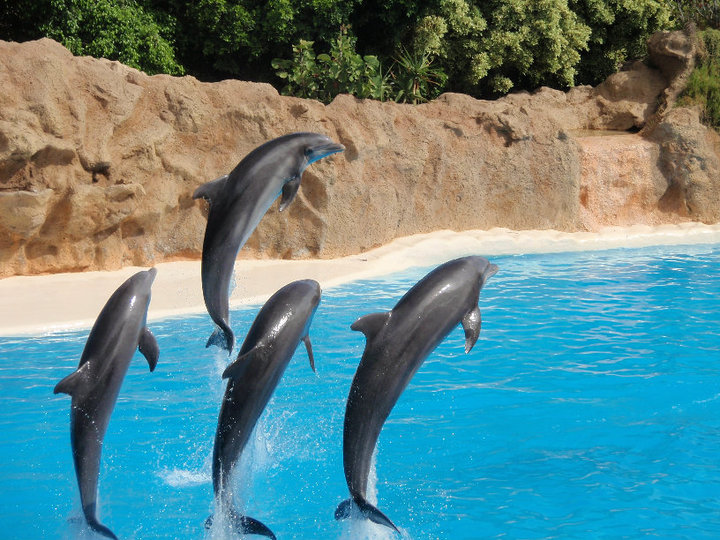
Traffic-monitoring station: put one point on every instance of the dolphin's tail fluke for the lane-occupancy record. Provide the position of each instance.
(344, 511)
(92, 521)
(245, 525)
(99, 528)
(222, 337)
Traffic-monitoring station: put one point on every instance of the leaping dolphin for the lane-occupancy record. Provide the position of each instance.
(397, 343)
(94, 387)
(238, 202)
(279, 327)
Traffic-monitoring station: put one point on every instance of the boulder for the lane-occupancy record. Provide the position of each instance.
(98, 163)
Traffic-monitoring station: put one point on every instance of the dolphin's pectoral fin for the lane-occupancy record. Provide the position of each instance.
(489, 272)
(289, 191)
(238, 367)
(371, 324)
(471, 324)
(211, 190)
(308, 346)
(75, 380)
(344, 511)
(148, 346)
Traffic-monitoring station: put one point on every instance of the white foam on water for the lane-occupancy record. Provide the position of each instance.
(77, 528)
(221, 528)
(180, 478)
(357, 527)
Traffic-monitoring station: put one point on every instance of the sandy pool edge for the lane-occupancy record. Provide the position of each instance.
(61, 302)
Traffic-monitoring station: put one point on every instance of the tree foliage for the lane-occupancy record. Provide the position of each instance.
(119, 30)
(485, 47)
(239, 38)
(620, 30)
(702, 13)
(493, 47)
(703, 86)
(323, 76)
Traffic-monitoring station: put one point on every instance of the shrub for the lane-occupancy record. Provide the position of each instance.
(620, 30)
(344, 71)
(324, 76)
(703, 13)
(118, 30)
(703, 85)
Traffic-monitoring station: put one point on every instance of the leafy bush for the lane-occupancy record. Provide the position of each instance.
(239, 38)
(703, 13)
(619, 33)
(324, 76)
(118, 30)
(490, 47)
(415, 77)
(703, 86)
(344, 71)
(486, 47)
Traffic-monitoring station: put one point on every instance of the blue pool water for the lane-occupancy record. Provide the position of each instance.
(589, 408)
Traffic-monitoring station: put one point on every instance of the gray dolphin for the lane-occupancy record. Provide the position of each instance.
(279, 327)
(94, 387)
(398, 341)
(238, 202)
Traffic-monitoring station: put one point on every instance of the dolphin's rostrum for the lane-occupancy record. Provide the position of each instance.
(279, 327)
(397, 343)
(238, 201)
(94, 386)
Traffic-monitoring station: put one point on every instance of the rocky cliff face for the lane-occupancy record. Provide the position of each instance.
(98, 162)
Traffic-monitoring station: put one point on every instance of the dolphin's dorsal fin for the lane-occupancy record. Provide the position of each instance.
(70, 384)
(148, 346)
(211, 190)
(308, 346)
(238, 367)
(371, 324)
(289, 191)
(471, 324)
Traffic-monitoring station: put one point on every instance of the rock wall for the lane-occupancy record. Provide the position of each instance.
(98, 162)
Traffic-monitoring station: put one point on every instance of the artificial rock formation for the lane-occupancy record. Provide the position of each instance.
(98, 162)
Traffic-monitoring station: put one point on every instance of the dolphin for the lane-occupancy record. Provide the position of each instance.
(397, 343)
(238, 201)
(94, 386)
(279, 327)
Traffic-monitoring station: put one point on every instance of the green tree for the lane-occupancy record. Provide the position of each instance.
(620, 30)
(119, 30)
(490, 48)
(239, 38)
(454, 33)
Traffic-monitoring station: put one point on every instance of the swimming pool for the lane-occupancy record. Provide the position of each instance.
(589, 408)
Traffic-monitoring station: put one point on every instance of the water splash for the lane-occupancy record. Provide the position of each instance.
(357, 527)
(77, 528)
(180, 478)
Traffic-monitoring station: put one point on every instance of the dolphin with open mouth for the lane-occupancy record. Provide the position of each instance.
(238, 201)
(397, 343)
